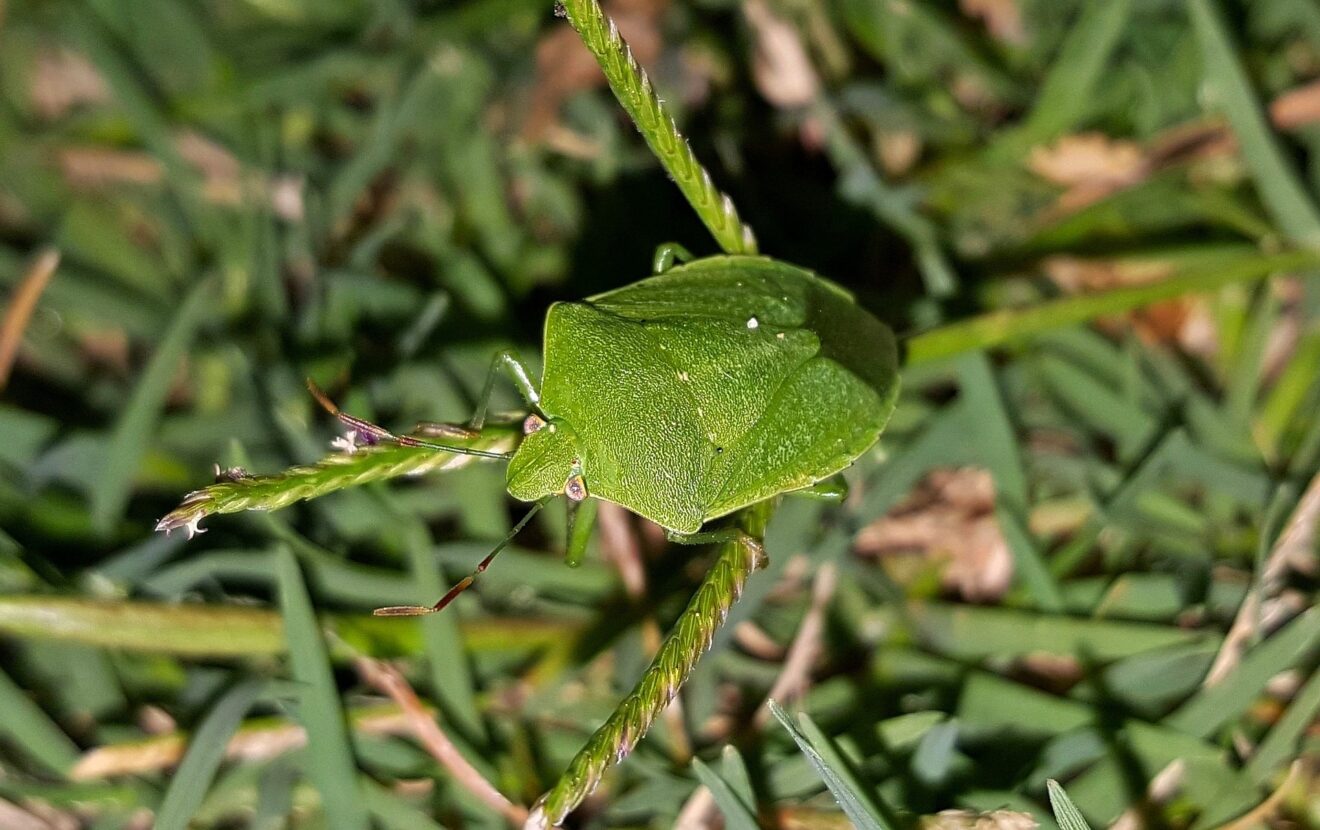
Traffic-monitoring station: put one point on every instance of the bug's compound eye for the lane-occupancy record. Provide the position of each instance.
(576, 487)
(533, 423)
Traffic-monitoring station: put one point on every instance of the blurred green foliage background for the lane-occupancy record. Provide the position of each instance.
(1088, 555)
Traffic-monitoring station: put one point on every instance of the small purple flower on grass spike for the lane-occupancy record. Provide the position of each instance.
(346, 443)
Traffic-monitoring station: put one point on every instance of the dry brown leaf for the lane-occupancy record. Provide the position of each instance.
(1091, 166)
(800, 817)
(1162, 788)
(781, 68)
(973, 820)
(221, 171)
(1003, 18)
(224, 180)
(257, 744)
(973, 94)
(1087, 158)
(898, 151)
(1185, 322)
(154, 720)
(1077, 274)
(20, 305)
(949, 516)
(286, 197)
(14, 817)
(210, 158)
(565, 67)
(1056, 672)
(63, 80)
(1296, 108)
(94, 167)
(753, 639)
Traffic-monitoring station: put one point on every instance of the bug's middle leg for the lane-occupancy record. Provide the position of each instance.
(667, 254)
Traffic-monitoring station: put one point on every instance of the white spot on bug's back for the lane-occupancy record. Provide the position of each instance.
(683, 376)
(752, 323)
(779, 336)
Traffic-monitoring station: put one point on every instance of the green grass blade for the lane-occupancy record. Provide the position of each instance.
(996, 441)
(860, 183)
(203, 631)
(1212, 707)
(935, 754)
(691, 637)
(972, 632)
(1244, 375)
(206, 750)
(986, 414)
(1278, 185)
(733, 769)
(1281, 744)
(184, 630)
(1282, 408)
(830, 765)
(989, 701)
(31, 729)
(738, 814)
(1069, 817)
(1066, 93)
(394, 812)
(447, 658)
(1028, 563)
(132, 431)
(330, 764)
(1010, 325)
(332, 473)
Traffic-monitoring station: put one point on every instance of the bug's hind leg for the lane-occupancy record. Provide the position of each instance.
(833, 490)
(721, 536)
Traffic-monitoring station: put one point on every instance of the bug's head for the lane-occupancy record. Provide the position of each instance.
(547, 462)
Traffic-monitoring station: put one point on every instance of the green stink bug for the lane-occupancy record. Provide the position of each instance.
(692, 394)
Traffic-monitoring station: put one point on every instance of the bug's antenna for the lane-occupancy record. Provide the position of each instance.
(375, 434)
(466, 582)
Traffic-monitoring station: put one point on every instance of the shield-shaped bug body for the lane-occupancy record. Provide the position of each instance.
(694, 393)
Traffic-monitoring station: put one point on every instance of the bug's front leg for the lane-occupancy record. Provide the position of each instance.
(506, 362)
